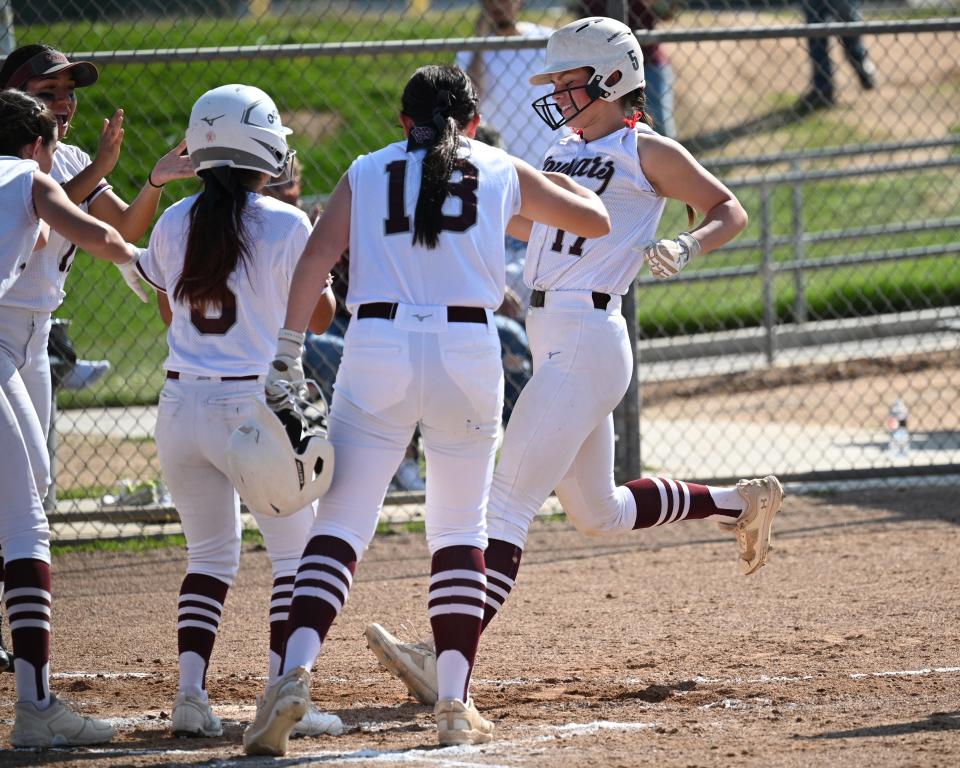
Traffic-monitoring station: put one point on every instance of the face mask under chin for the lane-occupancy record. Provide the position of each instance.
(549, 111)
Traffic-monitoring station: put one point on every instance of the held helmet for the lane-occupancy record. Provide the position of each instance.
(606, 46)
(274, 477)
(237, 126)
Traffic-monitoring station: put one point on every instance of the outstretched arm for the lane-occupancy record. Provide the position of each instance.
(132, 221)
(93, 235)
(558, 201)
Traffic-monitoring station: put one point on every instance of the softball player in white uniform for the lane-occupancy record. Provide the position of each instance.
(222, 262)
(27, 145)
(26, 308)
(560, 434)
(424, 220)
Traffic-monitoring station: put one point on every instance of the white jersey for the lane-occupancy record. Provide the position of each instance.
(467, 266)
(506, 96)
(558, 260)
(19, 225)
(40, 287)
(240, 338)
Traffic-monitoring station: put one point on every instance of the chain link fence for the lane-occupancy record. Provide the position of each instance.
(785, 352)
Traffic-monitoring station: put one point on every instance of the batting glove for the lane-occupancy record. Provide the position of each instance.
(285, 376)
(667, 257)
(132, 277)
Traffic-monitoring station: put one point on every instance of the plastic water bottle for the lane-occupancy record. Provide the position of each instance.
(899, 444)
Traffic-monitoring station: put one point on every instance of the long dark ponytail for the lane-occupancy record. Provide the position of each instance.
(23, 118)
(217, 240)
(441, 100)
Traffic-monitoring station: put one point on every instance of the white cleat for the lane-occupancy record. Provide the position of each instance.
(284, 703)
(317, 723)
(414, 663)
(459, 723)
(193, 717)
(56, 726)
(764, 498)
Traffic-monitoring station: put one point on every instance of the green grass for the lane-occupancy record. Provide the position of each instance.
(361, 94)
(143, 543)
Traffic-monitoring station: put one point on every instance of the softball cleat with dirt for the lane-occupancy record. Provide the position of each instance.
(414, 663)
(764, 497)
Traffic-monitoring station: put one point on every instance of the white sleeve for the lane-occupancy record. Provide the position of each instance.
(150, 264)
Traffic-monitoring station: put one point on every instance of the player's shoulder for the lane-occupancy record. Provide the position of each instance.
(68, 161)
(279, 210)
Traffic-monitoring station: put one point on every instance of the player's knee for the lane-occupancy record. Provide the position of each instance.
(595, 524)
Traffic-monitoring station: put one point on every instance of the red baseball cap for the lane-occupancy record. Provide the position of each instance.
(38, 60)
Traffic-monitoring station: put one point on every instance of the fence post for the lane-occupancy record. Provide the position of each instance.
(796, 201)
(766, 272)
(626, 417)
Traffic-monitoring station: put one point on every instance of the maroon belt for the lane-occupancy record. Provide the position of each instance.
(175, 375)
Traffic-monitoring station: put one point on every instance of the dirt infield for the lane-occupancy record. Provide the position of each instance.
(647, 649)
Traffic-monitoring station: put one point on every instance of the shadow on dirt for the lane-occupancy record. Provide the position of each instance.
(937, 721)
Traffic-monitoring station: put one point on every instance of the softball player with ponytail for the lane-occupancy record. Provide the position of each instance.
(560, 434)
(222, 261)
(28, 141)
(424, 220)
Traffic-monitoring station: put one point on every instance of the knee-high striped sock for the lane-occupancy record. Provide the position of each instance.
(457, 591)
(319, 592)
(503, 563)
(199, 611)
(28, 607)
(661, 500)
(280, 600)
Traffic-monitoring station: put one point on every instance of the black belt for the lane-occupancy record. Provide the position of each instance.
(600, 300)
(387, 311)
(175, 375)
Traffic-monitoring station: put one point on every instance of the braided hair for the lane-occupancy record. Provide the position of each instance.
(441, 101)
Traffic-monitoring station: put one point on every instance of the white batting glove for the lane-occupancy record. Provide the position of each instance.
(132, 277)
(667, 257)
(285, 375)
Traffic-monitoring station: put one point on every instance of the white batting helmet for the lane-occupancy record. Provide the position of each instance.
(606, 46)
(237, 126)
(273, 477)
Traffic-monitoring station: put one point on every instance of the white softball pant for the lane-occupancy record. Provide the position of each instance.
(24, 532)
(396, 374)
(195, 419)
(23, 341)
(560, 435)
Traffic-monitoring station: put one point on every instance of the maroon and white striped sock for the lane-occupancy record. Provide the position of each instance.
(28, 602)
(280, 600)
(503, 562)
(661, 500)
(319, 592)
(198, 619)
(456, 607)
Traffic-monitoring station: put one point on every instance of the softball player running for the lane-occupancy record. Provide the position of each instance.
(560, 434)
(424, 220)
(26, 308)
(28, 140)
(222, 262)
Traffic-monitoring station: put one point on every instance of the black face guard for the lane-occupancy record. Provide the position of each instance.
(549, 111)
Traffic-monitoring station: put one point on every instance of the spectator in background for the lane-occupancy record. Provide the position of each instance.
(501, 80)
(822, 94)
(644, 14)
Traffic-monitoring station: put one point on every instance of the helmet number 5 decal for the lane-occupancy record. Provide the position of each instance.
(633, 60)
(465, 189)
(220, 323)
